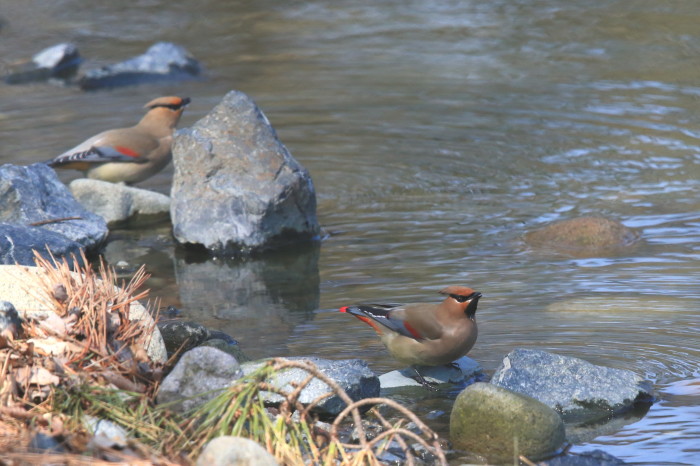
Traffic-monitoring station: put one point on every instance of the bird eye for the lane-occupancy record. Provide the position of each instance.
(460, 298)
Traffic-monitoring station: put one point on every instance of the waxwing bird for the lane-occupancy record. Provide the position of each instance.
(132, 154)
(425, 334)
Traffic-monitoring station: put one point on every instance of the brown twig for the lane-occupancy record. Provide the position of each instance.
(52, 220)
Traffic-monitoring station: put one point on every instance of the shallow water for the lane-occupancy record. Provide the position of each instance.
(436, 135)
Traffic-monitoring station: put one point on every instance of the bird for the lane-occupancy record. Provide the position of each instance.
(129, 155)
(425, 334)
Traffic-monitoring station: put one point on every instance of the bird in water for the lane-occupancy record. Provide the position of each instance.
(129, 155)
(425, 334)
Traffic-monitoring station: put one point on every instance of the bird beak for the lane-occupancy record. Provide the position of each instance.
(185, 102)
(471, 308)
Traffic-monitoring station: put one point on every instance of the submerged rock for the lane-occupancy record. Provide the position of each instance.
(583, 236)
(574, 387)
(236, 188)
(499, 425)
(353, 375)
(234, 451)
(163, 61)
(181, 335)
(59, 61)
(37, 211)
(586, 458)
(199, 376)
(119, 204)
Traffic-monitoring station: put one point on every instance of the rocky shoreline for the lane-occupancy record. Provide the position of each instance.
(230, 165)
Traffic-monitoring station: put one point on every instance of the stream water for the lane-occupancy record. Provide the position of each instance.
(436, 133)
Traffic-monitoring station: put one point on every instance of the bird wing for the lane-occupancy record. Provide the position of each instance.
(96, 154)
(111, 146)
(388, 315)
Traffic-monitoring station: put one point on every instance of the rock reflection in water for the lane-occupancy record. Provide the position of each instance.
(258, 301)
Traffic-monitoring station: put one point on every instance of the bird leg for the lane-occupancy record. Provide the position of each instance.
(421, 380)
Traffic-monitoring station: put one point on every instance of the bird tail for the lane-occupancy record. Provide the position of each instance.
(357, 312)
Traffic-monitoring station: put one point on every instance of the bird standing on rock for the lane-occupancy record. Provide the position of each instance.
(425, 334)
(129, 155)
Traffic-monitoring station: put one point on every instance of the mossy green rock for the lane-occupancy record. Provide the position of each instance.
(491, 422)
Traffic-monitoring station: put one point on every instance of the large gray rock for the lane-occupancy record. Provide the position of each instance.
(236, 188)
(353, 375)
(199, 376)
(59, 61)
(499, 425)
(120, 204)
(234, 451)
(572, 386)
(34, 210)
(163, 61)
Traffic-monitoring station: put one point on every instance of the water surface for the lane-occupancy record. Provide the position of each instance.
(436, 135)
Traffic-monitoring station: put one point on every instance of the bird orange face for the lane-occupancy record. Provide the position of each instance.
(466, 298)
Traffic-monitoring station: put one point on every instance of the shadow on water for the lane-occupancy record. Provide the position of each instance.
(258, 300)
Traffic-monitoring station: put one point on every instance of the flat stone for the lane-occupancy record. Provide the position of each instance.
(120, 204)
(499, 425)
(469, 371)
(236, 188)
(353, 375)
(574, 387)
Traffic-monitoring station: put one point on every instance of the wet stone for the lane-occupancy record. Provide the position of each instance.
(576, 388)
(60, 61)
(353, 375)
(163, 61)
(236, 188)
